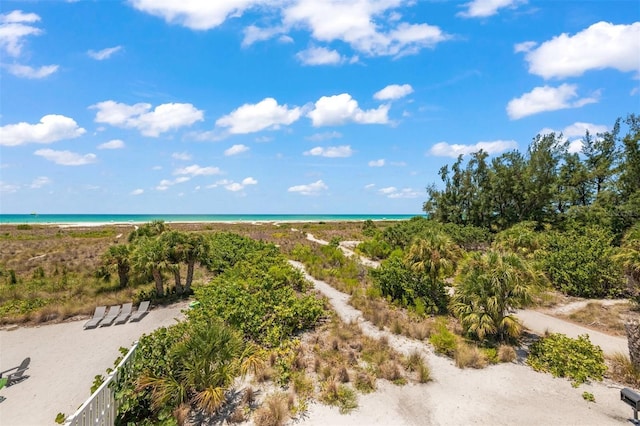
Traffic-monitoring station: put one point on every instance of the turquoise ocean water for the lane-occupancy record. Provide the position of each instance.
(142, 218)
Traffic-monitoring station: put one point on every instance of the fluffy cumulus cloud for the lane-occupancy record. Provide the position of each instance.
(138, 191)
(331, 151)
(196, 14)
(236, 149)
(319, 56)
(196, 170)
(66, 158)
(602, 45)
(314, 188)
(319, 137)
(393, 91)
(161, 119)
(485, 8)
(51, 128)
(443, 149)
(547, 98)
(8, 188)
(341, 109)
(377, 163)
(112, 144)
(368, 26)
(266, 114)
(26, 71)
(167, 183)
(393, 192)
(239, 186)
(103, 54)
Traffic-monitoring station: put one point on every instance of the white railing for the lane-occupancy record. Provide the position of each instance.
(101, 407)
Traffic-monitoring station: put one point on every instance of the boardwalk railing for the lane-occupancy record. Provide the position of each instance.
(101, 407)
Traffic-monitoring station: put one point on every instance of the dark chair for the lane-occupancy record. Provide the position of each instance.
(17, 373)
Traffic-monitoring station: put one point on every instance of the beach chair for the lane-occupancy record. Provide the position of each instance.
(124, 314)
(17, 375)
(112, 314)
(141, 312)
(97, 317)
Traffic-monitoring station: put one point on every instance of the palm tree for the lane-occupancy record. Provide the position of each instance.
(489, 286)
(150, 256)
(206, 363)
(434, 254)
(176, 245)
(629, 258)
(196, 250)
(119, 255)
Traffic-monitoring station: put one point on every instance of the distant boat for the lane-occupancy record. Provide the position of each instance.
(34, 214)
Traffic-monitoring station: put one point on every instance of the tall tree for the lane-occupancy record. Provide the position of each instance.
(150, 256)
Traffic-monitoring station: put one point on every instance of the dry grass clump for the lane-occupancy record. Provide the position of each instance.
(469, 356)
(274, 411)
(506, 353)
(622, 370)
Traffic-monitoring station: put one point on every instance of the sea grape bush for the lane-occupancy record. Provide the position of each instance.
(576, 359)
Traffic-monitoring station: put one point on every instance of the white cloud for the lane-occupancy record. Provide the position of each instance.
(14, 29)
(314, 188)
(103, 54)
(393, 91)
(634, 91)
(443, 149)
(66, 158)
(236, 149)
(39, 182)
(196, 14)
(366, 25)
(547, 98)
(112, 144)
(149, 122)
(239, 186)
(196, 170)
(51, 128)
(319, 56)
(319, 137)
(377, 163)
(263, 139)
(266, 114)
(138, 191)
(182, 156)
(331, 151)
(525, 46)
(249, 181)
(341, 109)
(485, 8)
(370, 186)
(393, 192)
(602, 45)
(25, 71)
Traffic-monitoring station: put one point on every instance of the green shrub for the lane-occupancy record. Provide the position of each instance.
(577, 359)
(444, 341)
(588, 396)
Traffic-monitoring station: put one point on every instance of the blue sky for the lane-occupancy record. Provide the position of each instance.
(291, 106)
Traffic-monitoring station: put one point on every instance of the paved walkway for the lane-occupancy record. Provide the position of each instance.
(65, 358)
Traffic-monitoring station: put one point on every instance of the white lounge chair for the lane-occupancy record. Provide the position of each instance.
(141, 312)
(97, 317)
(112, 314)
(124, 314)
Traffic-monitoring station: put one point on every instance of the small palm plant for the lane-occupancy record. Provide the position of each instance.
(206, 363)
(489, 287)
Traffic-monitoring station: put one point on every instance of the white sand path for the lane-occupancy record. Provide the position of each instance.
(505, 394)
(64, 360)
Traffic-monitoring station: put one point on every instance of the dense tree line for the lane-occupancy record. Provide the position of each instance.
(548, 184)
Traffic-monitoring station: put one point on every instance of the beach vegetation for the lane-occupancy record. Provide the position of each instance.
(576, 359)
(489, 286)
